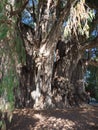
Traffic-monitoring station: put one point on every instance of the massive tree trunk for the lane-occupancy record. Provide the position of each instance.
(27, 70)
(67, 82)
(36, 74)
(50, 66)
(42, 95)
(52, 74)
(77, 79)
(42, 46)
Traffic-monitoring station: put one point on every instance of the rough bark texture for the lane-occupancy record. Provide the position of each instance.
(27, 71)
(43, 83)
(67, 85)
(51, 78)
(50, 63)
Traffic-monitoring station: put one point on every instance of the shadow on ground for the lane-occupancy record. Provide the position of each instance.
(22, 120)
(69, 119)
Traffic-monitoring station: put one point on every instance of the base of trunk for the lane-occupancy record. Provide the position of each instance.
(60, 101)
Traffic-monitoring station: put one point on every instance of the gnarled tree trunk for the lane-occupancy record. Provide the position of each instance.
(52, 73)
(42, 95)
(50, 66)
(67, 83)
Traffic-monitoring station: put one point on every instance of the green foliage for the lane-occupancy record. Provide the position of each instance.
(78, 20)
(92, 80)
(91, 15)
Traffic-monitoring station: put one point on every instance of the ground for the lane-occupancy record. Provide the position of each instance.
(85, 118)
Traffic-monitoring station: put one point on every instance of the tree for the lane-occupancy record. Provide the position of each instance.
(53, 43)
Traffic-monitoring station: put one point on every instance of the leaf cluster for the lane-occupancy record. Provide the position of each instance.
(78, 21)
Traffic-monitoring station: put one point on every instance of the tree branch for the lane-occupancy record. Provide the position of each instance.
(17, 12)
(55, 30)
(93, 63)
(89, 45)
(3, 21)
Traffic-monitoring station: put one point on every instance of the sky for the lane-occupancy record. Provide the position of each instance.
(26, 16)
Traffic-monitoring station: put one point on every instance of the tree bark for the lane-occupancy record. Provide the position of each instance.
(49, 65)
(67, 82)
(51, 78)
(43, 81)
(27, 70)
